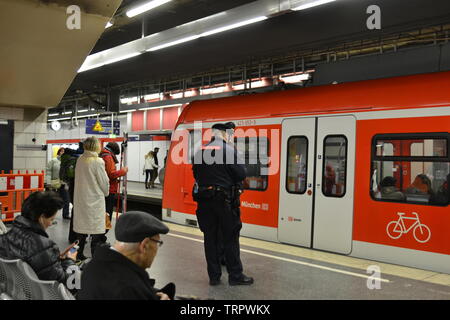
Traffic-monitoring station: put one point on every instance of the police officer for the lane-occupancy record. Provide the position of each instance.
(218, 169)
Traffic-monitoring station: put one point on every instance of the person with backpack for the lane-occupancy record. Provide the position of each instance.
(67, 174)
(109, 156)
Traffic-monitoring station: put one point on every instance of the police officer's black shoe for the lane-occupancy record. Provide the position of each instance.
(243, 280)
(214, 282)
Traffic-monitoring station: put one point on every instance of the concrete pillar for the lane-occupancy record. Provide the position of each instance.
(32, 125)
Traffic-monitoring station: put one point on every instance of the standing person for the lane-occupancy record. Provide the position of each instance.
(67, 174)
(53, 180)
(155, 167)
(149, 165)
(218, 169)
(162, 172)
(108, 154)
(91, 188)
(28, 240)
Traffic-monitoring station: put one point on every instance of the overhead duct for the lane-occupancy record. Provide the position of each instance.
(253, 12)
(39, 53)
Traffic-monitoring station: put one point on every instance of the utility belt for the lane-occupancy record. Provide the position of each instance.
(230, 195)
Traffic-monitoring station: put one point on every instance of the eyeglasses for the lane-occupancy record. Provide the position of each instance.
(159, 242)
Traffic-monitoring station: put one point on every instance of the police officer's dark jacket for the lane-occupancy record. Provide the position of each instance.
(218, 164)
(112, 276)
(28, 241)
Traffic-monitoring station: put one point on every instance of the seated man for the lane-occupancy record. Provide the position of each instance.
(118, 272)
(389, 191)
(28, 241)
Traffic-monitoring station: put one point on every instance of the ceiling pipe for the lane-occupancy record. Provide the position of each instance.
(253, 12)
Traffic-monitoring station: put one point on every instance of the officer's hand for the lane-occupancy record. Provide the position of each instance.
(125, 169)
(162, 296)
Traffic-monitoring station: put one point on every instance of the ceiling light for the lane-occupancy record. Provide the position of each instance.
(53, 114)
(233, 26)
(295, 78)
(172, 43)
(109, 24)
(146, 7)
(67, 112)
(60, 119)
(312, 3)
(83, 110)
(128, 56)
(88, 67)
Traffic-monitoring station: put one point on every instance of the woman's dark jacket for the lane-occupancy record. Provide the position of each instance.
(28, 241)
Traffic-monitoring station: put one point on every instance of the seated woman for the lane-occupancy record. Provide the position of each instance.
(389, 191)
(420, 190)
(28, 241)
(420, 185)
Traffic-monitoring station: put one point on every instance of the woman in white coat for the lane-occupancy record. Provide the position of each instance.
(149, 166)
(91, 188)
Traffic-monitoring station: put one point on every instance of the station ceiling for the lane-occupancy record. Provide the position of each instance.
(319, 27)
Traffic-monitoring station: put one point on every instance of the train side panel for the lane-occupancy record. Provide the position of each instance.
(376, 234)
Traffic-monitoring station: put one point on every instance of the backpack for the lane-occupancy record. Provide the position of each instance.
(67, 168)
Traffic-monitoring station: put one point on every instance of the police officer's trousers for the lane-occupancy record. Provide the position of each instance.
(213, 214)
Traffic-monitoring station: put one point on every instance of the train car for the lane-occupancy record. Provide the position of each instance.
(359, 169)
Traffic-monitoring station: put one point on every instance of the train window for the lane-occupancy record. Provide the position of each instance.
(334, 171)
(255, 153)
(297, 160)
(405, 147)
(418, 171)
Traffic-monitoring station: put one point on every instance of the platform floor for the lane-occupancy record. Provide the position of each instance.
(137, 191)
(281, 272)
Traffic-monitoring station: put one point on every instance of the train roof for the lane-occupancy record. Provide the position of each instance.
(417, 91)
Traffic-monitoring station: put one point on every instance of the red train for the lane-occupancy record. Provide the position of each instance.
(359, 169)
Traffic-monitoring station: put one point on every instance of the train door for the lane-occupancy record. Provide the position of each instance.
(335, 168)
(296, 185)
(316, 185)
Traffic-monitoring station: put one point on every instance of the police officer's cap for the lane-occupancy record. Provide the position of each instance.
(224, 126)
(135, 226)
(230, 125)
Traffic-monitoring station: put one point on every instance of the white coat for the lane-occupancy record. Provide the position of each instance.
(91, 188)
(149, 163)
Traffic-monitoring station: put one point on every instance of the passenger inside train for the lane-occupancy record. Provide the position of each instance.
(389, 191)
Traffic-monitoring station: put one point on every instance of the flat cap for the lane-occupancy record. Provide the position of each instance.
(135, 226)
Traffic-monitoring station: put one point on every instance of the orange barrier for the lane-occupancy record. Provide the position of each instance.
(15, 188)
